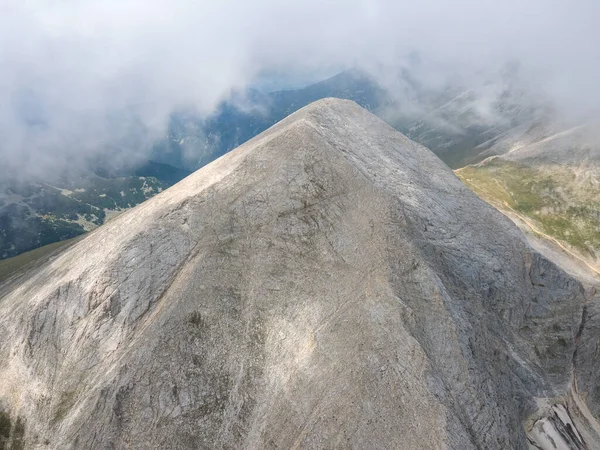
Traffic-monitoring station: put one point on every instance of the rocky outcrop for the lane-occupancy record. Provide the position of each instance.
(329, 284)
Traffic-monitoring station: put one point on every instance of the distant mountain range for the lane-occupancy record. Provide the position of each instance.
(193, 141)
(459, 124)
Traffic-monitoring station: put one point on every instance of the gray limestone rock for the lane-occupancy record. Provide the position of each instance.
(329, 284)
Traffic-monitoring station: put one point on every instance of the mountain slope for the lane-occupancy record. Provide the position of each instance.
(468, 127)
(550, 180)
(328, 284)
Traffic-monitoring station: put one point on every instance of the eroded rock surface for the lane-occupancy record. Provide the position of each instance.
(329, 284)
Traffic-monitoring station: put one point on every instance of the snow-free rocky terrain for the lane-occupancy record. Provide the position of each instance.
(328, 284)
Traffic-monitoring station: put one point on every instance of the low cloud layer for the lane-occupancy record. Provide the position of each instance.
(79, 75)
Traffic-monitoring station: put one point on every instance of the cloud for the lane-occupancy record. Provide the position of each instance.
(81, 75)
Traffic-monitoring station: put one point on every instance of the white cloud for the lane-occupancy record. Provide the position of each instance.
(65, 64)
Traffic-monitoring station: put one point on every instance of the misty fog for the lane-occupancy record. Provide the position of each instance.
(79, 77)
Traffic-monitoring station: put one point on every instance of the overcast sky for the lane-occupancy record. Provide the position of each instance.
(65, 64)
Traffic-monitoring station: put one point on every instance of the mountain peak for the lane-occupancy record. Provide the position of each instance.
(330, 282)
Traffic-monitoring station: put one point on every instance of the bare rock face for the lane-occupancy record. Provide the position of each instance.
(329, 284)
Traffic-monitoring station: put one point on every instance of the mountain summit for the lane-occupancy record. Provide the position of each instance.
(328, 284)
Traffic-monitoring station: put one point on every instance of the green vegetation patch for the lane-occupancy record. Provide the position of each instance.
(563, 206)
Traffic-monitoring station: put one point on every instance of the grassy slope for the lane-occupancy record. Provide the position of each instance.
(11, 265)
(562, 205)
